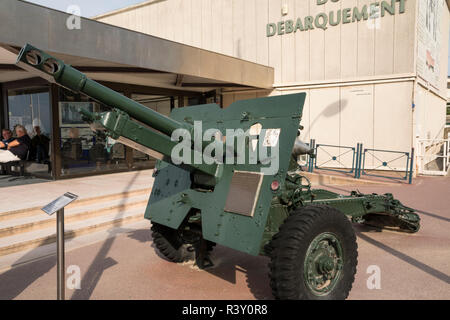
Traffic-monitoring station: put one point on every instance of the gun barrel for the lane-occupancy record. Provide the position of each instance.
(56, 71)
(301, 148)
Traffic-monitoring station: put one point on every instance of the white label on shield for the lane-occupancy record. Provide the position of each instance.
(271, 138)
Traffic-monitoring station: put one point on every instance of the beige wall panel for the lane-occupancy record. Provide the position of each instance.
(227, 27)
(430, 114)
(153, 21)
(302, 44)
(124, 21)
(393, 120)
(288, 46)
(366, 44)
(324, 118)
(196, 23)
(384, 44)
(262, 42)
(146, 12)
(404, 38)
(437, 116)
(130, 17)
(238, 30)
(187, 22)
(178, 21)
(249, 26)
(420, 103)
(332, 48)
(165, 9)
(356, 121)
(238, 27)
(275, 41)
(445, 26)
(316, 49)
(349, 44)
(206, 24)
(216, 28)
(138, 23)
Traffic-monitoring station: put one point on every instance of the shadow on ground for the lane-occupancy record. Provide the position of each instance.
(362, 233)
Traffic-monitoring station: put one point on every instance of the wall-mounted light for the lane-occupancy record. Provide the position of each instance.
(284, 9)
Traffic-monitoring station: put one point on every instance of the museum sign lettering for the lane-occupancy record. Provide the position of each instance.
(333, 18)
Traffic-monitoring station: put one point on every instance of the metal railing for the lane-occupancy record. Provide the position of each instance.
(333, 155)
(331, 160)
(385, 159)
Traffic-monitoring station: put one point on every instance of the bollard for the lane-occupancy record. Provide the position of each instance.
(359, 160)
(411, 166)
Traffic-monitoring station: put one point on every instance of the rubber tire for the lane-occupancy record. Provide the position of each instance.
(289, 247)
(170, 244)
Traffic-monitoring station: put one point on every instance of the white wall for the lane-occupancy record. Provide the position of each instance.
(238, 28)
(429, 114)
(377, 115)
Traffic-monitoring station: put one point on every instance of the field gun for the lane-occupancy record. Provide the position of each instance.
(231, 177)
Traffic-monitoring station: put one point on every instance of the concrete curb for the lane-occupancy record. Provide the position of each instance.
(323, 179)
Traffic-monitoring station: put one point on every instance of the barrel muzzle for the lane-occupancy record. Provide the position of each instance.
(301, 148)
(37, 61)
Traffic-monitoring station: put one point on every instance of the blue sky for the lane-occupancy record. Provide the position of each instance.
(90, 8)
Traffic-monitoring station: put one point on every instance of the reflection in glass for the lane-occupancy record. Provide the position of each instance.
(161, 104)
(83, 150)
(30, 108)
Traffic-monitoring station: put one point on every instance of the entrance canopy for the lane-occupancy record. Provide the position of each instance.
(117, 55)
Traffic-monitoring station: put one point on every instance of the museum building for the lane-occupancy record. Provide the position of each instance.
(375, 72)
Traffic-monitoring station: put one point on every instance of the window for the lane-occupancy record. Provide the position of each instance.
(161, 104)
(83, 150)
(30, 108)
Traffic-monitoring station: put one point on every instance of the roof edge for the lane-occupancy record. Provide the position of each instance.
(125, 9)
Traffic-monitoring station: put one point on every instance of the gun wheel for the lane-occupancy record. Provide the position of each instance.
(170, 244)
(314, 255)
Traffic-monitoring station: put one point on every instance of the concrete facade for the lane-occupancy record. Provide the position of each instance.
(381, 80)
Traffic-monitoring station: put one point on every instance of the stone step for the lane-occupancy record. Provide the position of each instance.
(40, 220)
(37, 238)
(22, 213)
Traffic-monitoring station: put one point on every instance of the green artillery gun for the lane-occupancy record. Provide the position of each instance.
(240, 186)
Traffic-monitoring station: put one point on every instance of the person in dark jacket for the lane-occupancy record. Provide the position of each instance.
(40, 145)
(6, 138)
(18, 148)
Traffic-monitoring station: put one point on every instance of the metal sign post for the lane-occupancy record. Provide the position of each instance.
(60, 254)
(58, 206)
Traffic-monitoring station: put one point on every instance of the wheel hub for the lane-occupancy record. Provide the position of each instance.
(323, 264)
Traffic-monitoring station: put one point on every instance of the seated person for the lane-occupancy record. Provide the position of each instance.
(40, 145)
(16, 149)
(6, 138)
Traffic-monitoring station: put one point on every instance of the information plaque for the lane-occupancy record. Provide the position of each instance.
(59, 203)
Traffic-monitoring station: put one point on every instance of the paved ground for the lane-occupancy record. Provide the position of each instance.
(127, 266)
